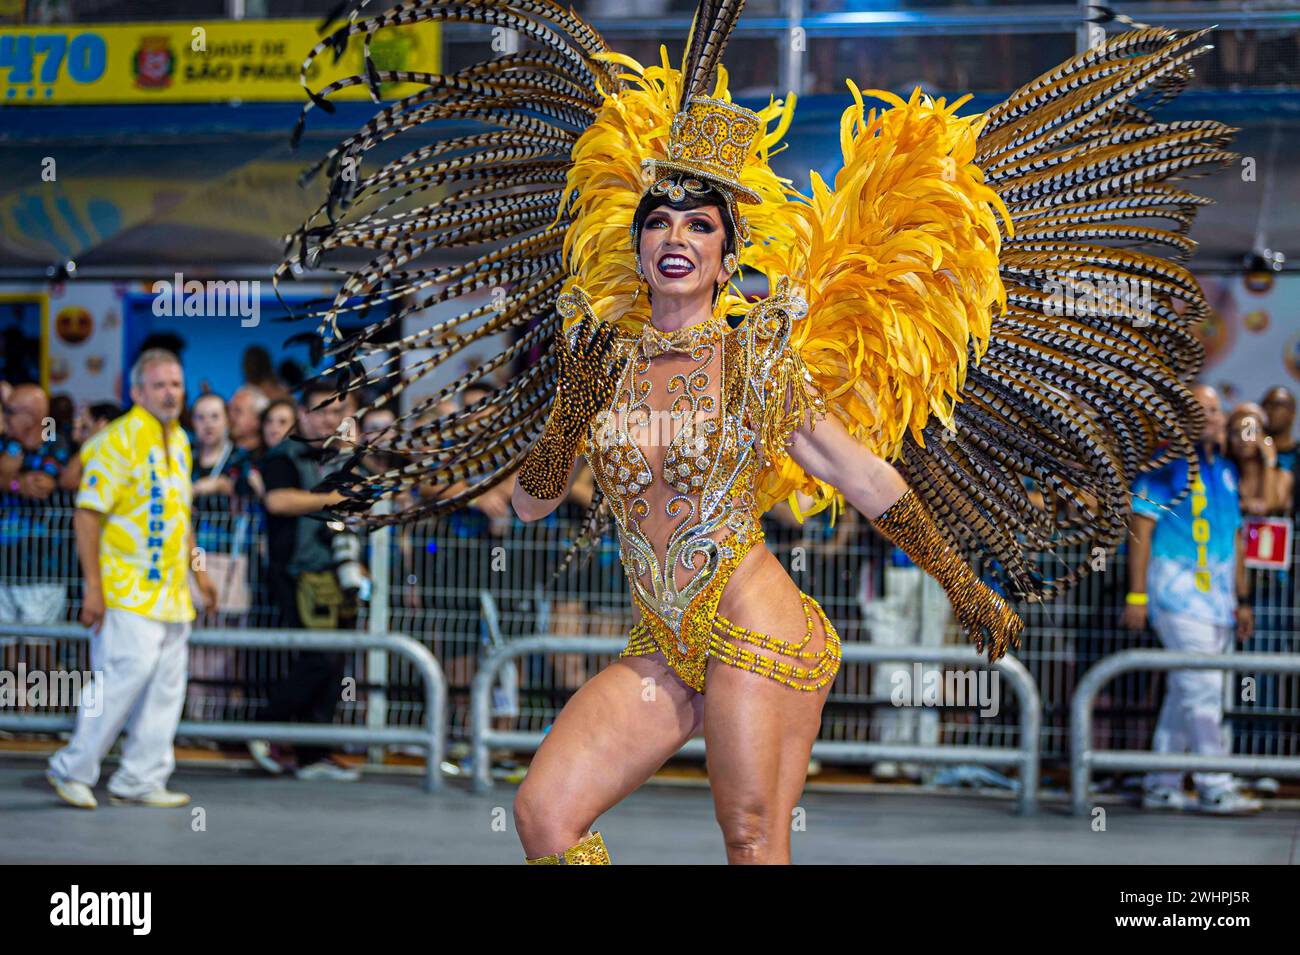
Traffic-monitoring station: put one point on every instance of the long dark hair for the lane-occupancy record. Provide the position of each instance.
(266, 413)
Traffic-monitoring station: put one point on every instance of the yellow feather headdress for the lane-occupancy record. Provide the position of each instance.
(898, 263)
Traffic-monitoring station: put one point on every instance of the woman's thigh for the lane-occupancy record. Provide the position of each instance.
(611, 736)
(759, 736)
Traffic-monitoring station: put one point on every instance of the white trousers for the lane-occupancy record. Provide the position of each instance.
(913, 612)
(1191, 717)
(142, 664)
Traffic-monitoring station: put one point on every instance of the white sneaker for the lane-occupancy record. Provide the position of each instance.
(885, 769)
(1166, 797)
(1228, 802)
(260, 750)
(73, 793)
(328, 769)
(160, 798)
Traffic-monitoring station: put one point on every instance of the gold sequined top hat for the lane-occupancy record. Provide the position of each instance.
(708, 144)
(711, 140)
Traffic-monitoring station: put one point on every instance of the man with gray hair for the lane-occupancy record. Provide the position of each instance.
(245, 414)
(134, 541)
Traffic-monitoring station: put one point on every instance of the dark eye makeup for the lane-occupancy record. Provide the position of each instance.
(660, 219)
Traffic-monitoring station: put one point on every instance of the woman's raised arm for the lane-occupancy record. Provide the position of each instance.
(873, 486)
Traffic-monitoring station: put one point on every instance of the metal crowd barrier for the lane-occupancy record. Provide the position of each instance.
(427, 578)
(431, 735)
(1084, 759)
(1025, 755)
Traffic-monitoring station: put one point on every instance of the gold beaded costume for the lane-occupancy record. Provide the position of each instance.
(715, 404)
(940, 299)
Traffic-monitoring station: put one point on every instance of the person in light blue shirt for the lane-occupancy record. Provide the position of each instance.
(1192, 569)
(1187, 576)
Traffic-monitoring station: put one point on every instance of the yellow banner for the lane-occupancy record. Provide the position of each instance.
(253, 60)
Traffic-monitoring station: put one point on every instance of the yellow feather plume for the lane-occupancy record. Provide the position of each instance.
(899, 266)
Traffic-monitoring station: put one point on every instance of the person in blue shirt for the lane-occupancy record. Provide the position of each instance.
(1187, 576)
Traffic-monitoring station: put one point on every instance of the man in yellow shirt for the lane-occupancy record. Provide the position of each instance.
(135, 542)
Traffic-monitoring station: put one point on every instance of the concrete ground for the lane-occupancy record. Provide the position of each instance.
(390, 819)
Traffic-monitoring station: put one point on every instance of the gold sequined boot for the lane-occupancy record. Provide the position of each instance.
(979, 609)
(588, 852)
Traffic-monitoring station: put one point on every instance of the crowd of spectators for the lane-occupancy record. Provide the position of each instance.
(440, 566)
(258, 543)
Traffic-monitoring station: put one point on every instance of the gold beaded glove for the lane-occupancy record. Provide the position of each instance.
(979, 610)
(585, 383)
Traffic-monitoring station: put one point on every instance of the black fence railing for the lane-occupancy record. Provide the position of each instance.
(437, 569)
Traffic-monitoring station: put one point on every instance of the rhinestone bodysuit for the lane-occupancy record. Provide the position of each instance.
(694, 419)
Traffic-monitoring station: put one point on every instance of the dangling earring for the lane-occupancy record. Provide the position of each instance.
(640, 277)
(729, 265)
